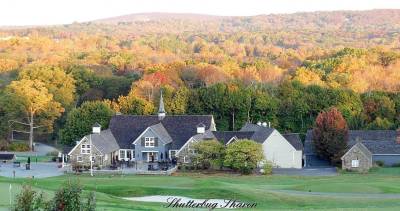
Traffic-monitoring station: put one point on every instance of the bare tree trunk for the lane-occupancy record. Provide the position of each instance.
(31, 132)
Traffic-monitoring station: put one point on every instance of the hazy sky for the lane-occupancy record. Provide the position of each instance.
(38, 12)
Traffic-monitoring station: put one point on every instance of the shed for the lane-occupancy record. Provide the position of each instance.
(7, 157)
(357, 158)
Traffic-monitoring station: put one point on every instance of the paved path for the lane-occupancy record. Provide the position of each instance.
(330, 171)
(38, 170)
(40, 150)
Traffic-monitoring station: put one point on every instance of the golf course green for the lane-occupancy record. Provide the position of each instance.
(377, 190)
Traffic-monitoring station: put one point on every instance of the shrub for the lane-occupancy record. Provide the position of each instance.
(267, 168)
(28, 200)
(396, 165)
(18, 147)
(3, 145)
(243, 156)
(209, 154)
(379, 163)
(53, 153)
(68, 197)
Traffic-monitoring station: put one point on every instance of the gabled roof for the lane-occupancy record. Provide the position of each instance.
(207, 135)
(294, 140)
(160, 130)
(104, 141)
(127, 128)
(226, 136)
(377, 141)
(7, 156)
(261, 133)
(96, 125)
(362, 148)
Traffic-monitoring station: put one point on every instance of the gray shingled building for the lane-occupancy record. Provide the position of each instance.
(384, 146)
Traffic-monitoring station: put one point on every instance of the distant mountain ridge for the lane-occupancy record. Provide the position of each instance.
(158, 16)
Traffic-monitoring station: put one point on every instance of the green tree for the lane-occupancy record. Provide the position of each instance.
(243, 156)
(293, 108)
(330, 135)
(80, 120)
(209, 154)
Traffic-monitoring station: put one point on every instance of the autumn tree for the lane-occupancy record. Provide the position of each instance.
(60, 84)
(330, 135)
(32, 98)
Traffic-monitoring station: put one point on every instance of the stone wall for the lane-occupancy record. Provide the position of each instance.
(99, 158)
(365, 162)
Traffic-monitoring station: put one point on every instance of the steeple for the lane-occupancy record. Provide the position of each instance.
(161, 110)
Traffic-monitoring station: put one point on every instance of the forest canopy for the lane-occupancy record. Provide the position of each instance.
(282, 69)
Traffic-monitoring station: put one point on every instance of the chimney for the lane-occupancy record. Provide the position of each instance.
(96, 128)
(398, 136)
(269, 124)
(264, 124)
(201, 128)
(161, 110)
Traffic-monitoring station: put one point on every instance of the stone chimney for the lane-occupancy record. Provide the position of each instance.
(398, 136)
(161, 110)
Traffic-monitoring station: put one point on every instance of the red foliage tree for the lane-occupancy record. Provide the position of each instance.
(330, 135)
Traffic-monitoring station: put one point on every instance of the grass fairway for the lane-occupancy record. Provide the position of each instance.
(378, 190)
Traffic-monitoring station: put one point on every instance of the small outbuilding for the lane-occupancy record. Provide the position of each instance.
(357, 158)
(7, 157)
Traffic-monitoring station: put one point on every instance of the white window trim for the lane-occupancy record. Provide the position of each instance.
(85, 148)
(148, 141)
(170, 154)
(79, 159)
(125, 158)
(119, 154)
(185, 159)
(355, 163)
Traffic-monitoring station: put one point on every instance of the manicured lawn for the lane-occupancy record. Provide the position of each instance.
(382, 189)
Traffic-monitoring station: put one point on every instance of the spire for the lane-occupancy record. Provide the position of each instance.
(161, 110)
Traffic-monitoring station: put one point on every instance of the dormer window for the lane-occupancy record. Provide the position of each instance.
(149, 142)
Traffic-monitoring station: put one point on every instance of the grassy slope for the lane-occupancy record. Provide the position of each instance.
(265, 190)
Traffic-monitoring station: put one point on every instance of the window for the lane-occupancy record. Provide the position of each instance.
(149, 142)
(85, 149)
(172, 154)
(152, 156)
(92, 158)
(185, 159)
(355, 163)
(122, 154)
(79, 159)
